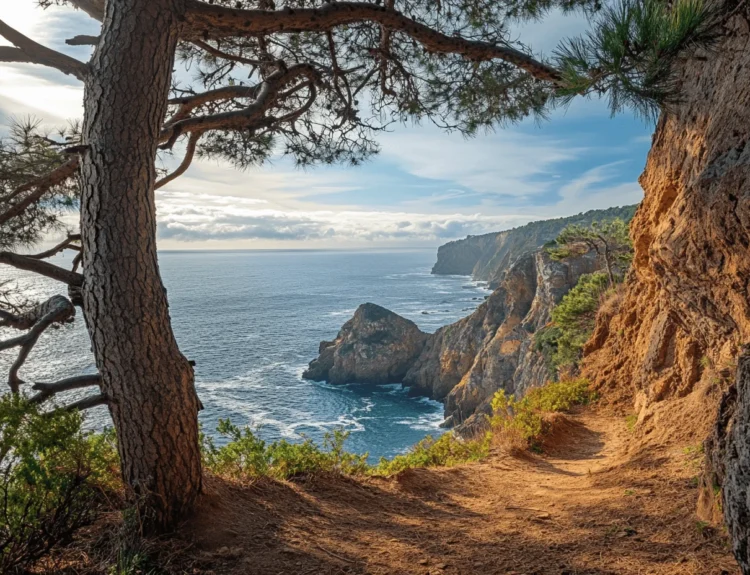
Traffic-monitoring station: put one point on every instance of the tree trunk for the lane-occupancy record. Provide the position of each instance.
(608, 263)
(736, 487)
(149, 382)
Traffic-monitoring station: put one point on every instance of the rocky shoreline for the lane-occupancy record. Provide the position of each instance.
(462, 364)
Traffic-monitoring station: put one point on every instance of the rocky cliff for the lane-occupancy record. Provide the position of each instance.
(465, 363)
(488, 256)
(665, 350)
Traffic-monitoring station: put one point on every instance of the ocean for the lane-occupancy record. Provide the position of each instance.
(252, 320)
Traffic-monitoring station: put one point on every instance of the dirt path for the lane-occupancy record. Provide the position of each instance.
(587, 507)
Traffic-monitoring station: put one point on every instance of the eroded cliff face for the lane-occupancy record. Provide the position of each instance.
(668, 349)
(507, 358)
(687, 295)
(465, 363)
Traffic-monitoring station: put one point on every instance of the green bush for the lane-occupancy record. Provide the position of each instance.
(247, 456)
(447, 450)
(53, 477)
(573, 321)
(526, 416)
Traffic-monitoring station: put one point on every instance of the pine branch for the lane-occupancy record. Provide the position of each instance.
(82, 40)
(185, 164)
(42, 268)
(67, 243)
(250, 117)
(38, 188)
(47, 390)
(38, 54)
(57, 309)
(211, 21)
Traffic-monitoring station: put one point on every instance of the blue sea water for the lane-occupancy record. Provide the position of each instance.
(252, 320)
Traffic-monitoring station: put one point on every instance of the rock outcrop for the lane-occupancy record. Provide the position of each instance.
(489, 256)
(686, 306)
(375, 346)
(465, 363)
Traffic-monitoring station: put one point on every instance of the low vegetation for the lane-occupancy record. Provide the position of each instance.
(525, 418)
(445, 451)
(246, 456)
(573, 321)
(54, 479)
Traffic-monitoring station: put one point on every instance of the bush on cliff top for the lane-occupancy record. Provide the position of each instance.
(573, 321)
(53, 478)
(445, 451)
(246, 456)
(525, 417)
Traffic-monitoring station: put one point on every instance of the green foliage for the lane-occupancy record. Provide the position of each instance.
(609, 238)
(26, 153)
(630, 51)
(573, 321)
(631, 421)
(526, 416)
(246, 456)
(447, 450)
(52, 479)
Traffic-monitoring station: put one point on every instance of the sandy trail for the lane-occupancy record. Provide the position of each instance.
(593, 504)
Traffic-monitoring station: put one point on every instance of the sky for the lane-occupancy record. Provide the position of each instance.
(426, 187)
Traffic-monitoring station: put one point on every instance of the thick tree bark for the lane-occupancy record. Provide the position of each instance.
(146, 379)
(736, 488)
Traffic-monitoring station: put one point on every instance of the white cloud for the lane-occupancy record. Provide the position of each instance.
(207, 219)
(588, 190)
(506, 162)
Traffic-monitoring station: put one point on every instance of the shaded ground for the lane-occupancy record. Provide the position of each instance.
(590, 506)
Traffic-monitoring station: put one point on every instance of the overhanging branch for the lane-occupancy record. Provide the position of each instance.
(82, 40)
(87, 402)
(38, 54)
(47, 390)
(211, 21)
(67, 243)
(189, 103)
(57, 309)
(249, 117)
(41, 267)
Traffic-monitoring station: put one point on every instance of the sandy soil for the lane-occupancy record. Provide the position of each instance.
(597, 502)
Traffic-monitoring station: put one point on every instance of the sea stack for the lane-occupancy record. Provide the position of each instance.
(375, 346)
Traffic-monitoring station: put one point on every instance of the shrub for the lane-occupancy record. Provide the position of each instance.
(247, 456)
(52, 479)
(525, 417)
(447, 450)
(573, 321)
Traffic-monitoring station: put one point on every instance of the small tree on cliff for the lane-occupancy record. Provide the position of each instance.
(609, 239)
(313, 79)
